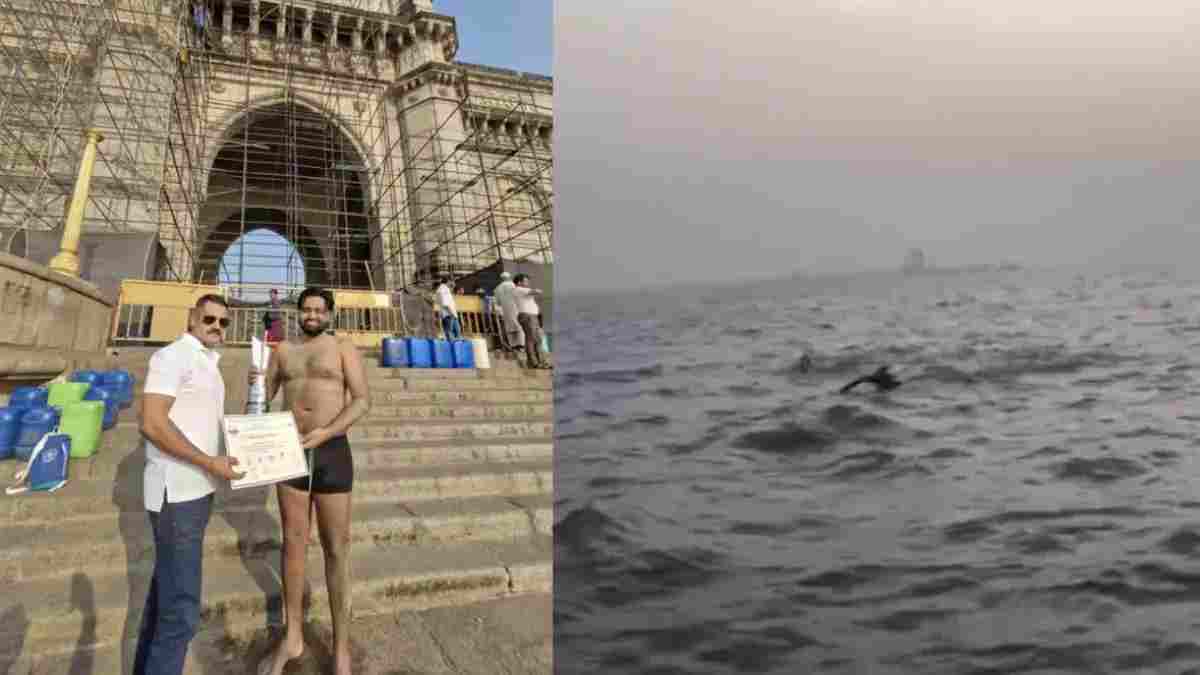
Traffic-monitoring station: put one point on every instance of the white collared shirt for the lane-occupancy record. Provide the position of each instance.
(525, 302)
(187, 371)
(446, 299)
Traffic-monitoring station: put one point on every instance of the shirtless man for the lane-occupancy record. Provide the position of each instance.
(325, 386)
(881, 378)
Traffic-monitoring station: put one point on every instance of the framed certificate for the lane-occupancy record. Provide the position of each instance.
(266, 446)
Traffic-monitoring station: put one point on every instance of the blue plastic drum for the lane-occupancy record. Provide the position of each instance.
(463, 353)
(394, 353)
(121, 382)
(420, 352)
(443, 355)
(10, 427)
(112, 403)
(35, 423)
(90, 376)
(28, 397)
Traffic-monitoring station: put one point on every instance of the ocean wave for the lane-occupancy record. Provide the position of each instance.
(616, 376)
(655, 573)
(1098, 469)
(777, 529)
(587, 531)
(908, 620)
(641, 421)
(1050, 360)
(1032, 472)
(854, 417)
(790, 438)
(689, 447)
(861, 464)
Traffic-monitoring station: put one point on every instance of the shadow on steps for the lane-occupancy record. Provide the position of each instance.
(221, 653)
(13, 625)
(253, 525)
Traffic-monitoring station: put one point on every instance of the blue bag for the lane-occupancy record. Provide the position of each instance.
(47, 468)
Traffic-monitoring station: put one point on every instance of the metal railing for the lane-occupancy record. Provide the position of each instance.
(135, 322)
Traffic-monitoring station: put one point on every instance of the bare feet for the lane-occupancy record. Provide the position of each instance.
(341, 661)
(287, 650)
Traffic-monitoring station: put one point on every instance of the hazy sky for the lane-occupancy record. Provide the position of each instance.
(707, 140)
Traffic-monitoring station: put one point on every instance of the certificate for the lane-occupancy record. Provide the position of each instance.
(267, 448)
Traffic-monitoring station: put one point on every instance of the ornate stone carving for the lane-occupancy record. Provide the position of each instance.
(360, 63)
(258, 48)
(312, 55)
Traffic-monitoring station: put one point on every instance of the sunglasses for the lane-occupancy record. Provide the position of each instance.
(210, 320)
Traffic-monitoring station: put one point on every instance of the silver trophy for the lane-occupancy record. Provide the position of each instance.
(260, 355)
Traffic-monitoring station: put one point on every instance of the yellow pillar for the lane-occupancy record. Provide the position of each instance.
(67, 260)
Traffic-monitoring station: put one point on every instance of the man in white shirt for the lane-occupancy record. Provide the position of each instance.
(182, 405)
(448, 310)
(513, 336)
(528, 316)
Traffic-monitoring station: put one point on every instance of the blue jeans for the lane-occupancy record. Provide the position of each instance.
(172, 612)
(451, 327)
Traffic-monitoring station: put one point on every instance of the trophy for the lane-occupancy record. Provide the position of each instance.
(260, 355)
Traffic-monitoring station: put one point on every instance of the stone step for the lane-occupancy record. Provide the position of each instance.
(383, 454)
(125, 542)
(406, 411)
(512, 633)
(489, 411)
(125, 435)
(386, 394)
(446, 381)
(426, 384)
(104, 610)
(101, 500)
(236, 384)
(506, 369)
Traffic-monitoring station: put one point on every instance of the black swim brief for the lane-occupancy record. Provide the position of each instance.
(332, 470)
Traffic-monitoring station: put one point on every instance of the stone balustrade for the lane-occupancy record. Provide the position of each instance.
(326, 34)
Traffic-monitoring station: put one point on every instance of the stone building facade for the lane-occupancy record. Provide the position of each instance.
(347, 127)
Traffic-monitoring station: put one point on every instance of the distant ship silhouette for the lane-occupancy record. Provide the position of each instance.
(914, 261)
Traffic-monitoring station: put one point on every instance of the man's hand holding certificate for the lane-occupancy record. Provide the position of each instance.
(266, 446)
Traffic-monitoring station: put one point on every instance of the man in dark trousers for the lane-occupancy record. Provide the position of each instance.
(528, 316)
(183, 402)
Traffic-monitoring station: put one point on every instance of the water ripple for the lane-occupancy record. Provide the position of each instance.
(1022, 503)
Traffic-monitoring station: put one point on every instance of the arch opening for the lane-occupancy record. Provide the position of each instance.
(289, 170)
(260, 260)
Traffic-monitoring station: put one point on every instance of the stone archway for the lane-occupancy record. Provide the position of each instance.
(223, 236)
(294, 170)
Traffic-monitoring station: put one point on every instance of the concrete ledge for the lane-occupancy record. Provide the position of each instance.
(45, 310)
(46, 274)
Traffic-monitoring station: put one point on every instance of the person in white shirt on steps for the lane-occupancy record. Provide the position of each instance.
(448, 310)
(528, 315)
(182, 405)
